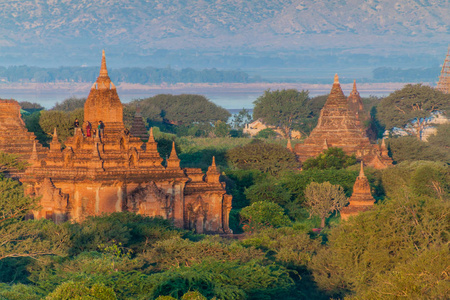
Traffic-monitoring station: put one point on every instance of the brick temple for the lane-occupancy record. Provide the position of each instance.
(443, 84)
(116, 171)
(340, 125)
(14, 137)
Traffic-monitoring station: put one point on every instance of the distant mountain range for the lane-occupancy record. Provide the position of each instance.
(77, 29)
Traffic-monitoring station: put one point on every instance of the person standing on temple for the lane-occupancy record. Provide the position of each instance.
(76, 124)
(88, 129)
(100, 129)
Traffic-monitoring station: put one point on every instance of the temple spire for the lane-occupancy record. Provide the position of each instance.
(354, 90)
(173, 162)
(55, 136)
(361, 172)
(151, 137)
(336, 78)
(34, 155)
(289, 146)
(173, 153)
(213, 175)
(103, 69)
(55, 145)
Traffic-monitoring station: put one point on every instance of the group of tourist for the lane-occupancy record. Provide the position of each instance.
(90, 132)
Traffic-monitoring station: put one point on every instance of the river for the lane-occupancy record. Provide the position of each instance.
(228, 96)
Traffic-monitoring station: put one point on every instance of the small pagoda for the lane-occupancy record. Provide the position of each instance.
(138, 128)
(361, 199)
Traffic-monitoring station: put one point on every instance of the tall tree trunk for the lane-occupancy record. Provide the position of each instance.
(419, 129)
(322, 223)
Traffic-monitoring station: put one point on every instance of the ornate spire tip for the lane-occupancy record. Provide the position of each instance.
(336, 78)
(361, 172)
(103, 69)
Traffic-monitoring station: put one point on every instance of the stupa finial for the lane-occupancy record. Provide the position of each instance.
(173, 153)
(55, 135)
(34, 155)
(151, 134)
(103, 69)
(336, 78)
(361, 172)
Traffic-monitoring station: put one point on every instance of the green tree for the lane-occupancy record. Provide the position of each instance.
(267, 133)
(268, 190)
(18, 292)
(62, 121)
(269, 158)
(284, 109)
(290, 247)
(10, 162)
(441, 140)
(409, 107)
(32, 125)
(71, 290)
(410, 148)
(30, 107)
(184, 109)
(14, 205)
(221, 129)
(193, 295)
(331, 158)
(425, 276)
(241, 118)
(32, 239)
(323, 199)
(420, 178)
(263, 214)
(177, 252)
(70, 104)
(315, 105)
(366, 247)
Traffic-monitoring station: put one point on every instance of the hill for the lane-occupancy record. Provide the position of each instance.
(74, 29)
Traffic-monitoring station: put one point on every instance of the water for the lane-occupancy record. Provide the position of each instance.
(48, 100)
(231, 99)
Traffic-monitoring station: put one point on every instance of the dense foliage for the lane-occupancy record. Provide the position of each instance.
(323, 199)
(70, 104)
(331, 158)
(409, 108)
(399, 249)
(185, 114)
(284, 109)
(265, 157)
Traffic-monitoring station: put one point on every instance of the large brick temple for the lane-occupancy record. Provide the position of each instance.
(115, 172)
(340, 125)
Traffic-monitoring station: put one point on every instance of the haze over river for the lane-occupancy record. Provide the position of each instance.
(229, 96)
